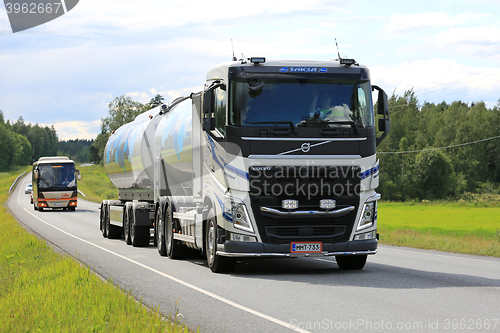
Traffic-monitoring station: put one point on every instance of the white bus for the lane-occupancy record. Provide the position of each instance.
(54, 183)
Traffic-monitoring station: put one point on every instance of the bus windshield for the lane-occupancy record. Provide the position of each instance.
(303, 102)
(59, 176)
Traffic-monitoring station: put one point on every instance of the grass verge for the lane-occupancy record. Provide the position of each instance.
(460, 227)
(43, 291)
(95, 184)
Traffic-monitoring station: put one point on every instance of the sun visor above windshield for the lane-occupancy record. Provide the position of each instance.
(302, 72)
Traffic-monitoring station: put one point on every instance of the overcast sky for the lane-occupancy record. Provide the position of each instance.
(65, 72)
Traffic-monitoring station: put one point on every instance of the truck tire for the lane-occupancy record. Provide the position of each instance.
(112, 231)
(160, 231)
(175, 249)
(353, 262)
(216, 263)
(126, 224)
(102, 221)
(139, 236)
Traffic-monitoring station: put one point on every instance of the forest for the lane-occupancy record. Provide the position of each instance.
(436, 151)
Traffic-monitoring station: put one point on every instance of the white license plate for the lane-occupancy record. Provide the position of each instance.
(305, 247)
(57, 203)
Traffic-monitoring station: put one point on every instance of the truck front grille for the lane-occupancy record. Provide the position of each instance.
(269, 186)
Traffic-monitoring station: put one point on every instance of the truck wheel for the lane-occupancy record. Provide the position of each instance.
(160, 232)
(102, 221)
(112, 231)
(126, 225)
(175, 250)
(351, 262)
(216, 263)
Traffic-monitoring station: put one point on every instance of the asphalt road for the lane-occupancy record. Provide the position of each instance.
(399, 290)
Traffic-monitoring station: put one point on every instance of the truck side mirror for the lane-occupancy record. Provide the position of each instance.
(79, 175)
(208, 107)
(208, 102)
(384, 124)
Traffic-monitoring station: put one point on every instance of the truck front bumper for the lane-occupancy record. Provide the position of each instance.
(242, 249)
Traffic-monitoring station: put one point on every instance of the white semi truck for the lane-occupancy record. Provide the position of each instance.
(272, 159)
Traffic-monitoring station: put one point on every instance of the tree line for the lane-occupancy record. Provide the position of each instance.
(432, 151)
(21, 143)
(424, 172)
(78, 150)
(121, 110)
(428, 154)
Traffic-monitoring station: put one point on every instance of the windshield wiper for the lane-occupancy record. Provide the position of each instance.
(285, 122)
(349, 122)
(323, 123)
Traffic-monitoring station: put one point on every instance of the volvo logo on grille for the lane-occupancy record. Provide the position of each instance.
(261, 168)
(305, 147)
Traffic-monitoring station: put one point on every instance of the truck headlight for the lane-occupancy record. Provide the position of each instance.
(367, 218)
(241, 238)
(366, 236)
(236, 212)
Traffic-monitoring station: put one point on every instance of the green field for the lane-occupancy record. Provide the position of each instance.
(451, 227)
(43, 291)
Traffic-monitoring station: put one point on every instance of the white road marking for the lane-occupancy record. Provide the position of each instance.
(205, 292)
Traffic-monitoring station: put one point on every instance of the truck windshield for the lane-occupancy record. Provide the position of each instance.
(303, 102)
(57, 176)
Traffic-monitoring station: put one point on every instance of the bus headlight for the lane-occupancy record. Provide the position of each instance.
(235, 211)
(367, 218)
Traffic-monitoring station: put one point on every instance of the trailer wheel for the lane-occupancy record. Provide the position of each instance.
(216, 263)
(160, 232)
(353, 262)
(175, 250)
(126, 225)
(102, 221)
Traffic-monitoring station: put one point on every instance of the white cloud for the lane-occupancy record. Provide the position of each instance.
(480, 42)
(70, 130)
(411, 22)
(94, 15)
(138, 96)
(439, 79)
(4, 22)
(328, 25)
(173, 94)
